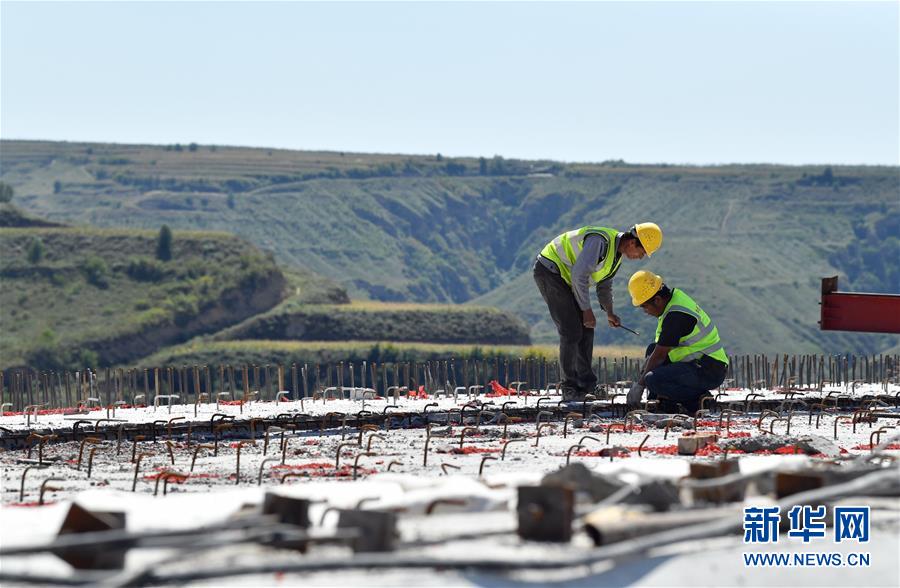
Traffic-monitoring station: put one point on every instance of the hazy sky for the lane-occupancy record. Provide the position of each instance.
(672, 82)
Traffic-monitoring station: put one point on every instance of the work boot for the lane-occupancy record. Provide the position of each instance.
(572, 395)
(668, 406)
(601, 392)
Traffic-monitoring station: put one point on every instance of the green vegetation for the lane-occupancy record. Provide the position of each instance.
(10, 216)
(386, 322)
(749, 243)
(870, 260)
(73, 297)
(323, 352)
(164, 244)
(142, 269)
(95, 271)
(35, 251)
(6, 193)
(305, 287)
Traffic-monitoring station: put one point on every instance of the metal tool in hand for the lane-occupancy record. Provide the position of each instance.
(629, 330)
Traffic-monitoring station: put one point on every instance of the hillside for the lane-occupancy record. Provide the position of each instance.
(373, 321)
(260, 352)
(12, 217)
(74, 297)
(749, 242)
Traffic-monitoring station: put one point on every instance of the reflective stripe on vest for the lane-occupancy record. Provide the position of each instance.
(702, 340)
(565, 249)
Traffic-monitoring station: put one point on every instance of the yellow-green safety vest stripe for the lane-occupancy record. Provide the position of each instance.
(703, 340)
(564, 251)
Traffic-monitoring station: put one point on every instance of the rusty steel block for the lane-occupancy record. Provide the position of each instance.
(703, 471)
(81, 520)
(377, 530)
(290, 511)
(546, 513)
(787, 483)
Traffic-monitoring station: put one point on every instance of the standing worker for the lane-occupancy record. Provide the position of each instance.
(687, 359)
(563, 271)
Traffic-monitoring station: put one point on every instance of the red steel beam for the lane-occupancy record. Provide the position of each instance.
(871, 313)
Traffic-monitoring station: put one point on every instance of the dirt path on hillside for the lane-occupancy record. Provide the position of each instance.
(725, 218)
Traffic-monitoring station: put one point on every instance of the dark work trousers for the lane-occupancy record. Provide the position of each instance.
(576, 342)
(683, 382)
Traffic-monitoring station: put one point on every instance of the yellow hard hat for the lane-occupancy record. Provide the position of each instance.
(643, 285)
(650, 236)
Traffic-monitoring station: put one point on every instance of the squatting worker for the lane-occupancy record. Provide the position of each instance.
(687, 359)
(563, 271)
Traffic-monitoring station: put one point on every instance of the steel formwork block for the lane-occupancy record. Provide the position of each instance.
(546, 513)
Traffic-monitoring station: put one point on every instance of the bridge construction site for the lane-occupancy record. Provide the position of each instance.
(324, 472)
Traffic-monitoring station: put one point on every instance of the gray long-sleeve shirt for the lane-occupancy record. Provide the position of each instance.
(594, 249)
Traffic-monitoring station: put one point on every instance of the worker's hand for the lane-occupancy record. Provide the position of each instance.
(634, 394)
(613, 320)
(588, 319)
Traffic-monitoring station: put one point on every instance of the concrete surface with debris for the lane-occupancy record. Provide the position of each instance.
(452, 486)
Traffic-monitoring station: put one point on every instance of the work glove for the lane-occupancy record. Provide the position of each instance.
(634, 394)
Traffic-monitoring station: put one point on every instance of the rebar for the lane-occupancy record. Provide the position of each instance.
(838, 419)
(169, 446)
(783, 420)
(569, 452)
(197, 450)
(169, 425)
(362, 430)
(762, 416)
(725, 415)
(539, 429)
(372, 437)
(217, 431)
(22, 483)
(269, 429)
(609, 429)
(748, 400)
(483, 460)
(506, 444)
(641, 446)
(356, 461)
(137, 469)
(569, 417)
(46, 488)
(444, 467)
(585, 437)
(137, 438)
(92, 441)
(91, 460)
(337, 454)
(284, 448)
(462, 434)
(237, 466)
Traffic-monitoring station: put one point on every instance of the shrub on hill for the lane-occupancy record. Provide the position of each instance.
(95, 271)
(145, 270)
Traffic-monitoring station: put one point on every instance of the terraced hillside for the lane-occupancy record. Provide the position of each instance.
(749, 242)
(374, 321)
(75, 297)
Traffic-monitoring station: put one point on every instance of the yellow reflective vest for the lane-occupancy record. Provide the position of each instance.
(564, 251)
(703, 340)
